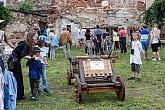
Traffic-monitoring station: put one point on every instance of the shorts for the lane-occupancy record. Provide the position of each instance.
(144, 46)
(155, 47)
(135, 67)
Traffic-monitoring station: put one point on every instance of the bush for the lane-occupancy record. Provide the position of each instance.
(155, 14)
(5, 14)
(25, 6)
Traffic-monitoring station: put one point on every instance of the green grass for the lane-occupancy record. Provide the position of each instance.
(149, 94)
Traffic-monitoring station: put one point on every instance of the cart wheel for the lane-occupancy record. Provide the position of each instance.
(121, 92)
(68, 77)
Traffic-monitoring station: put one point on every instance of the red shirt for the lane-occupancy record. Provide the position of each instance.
(122, 33)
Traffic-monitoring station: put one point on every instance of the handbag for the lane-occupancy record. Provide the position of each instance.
(159, 42)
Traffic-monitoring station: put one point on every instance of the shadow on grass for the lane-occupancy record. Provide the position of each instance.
(98, 97)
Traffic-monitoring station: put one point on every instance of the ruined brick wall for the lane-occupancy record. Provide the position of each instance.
(20, 25)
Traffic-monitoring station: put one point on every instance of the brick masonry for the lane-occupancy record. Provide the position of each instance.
(20, 24)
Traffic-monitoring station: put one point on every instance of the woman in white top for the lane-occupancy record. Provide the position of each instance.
(116, 39)
(135, 57)
(155, 37)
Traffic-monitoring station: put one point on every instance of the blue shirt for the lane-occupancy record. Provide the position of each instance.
(43, 38)
(10, 91)
(144, 35)
(54, 40)
(98, 32)
(35, 69)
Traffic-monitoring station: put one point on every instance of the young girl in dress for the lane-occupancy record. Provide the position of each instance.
(135, 57)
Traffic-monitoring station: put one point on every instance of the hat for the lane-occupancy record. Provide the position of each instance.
(1, 21)
(36, 49)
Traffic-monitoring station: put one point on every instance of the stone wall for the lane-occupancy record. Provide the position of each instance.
(20, 24)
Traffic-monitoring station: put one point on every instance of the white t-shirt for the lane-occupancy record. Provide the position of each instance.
(136, 58)
(81, 34)
(115, 36)
(42, 53)
(155, 33)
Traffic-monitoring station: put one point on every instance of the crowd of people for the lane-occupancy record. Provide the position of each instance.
(104, 41)
(34, 48)
(100, 42)
(39, 43)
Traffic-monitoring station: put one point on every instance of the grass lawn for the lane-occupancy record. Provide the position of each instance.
(149, 94)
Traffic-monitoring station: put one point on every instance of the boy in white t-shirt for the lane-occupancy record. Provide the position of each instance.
(135, 57)
(44, 64)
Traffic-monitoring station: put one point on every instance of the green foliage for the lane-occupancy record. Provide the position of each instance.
(5, 14)
(25, 6)
(155, 14)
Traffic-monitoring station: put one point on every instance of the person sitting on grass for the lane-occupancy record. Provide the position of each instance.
(44, 64)
(135, 57)
(35, 69)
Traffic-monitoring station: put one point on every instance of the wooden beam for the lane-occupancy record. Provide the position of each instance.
(94, 90)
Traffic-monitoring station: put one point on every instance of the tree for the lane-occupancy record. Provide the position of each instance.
(155, 14)
(5, 14)
(25, 6)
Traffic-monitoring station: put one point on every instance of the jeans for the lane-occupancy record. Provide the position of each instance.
(43, 76)
(97, 49)
(53, 53)
(66, 49)
(34, 86)
(123, 44)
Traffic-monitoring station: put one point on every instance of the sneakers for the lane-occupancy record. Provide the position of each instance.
(154, 59)
(47, 90)
(159, 59)
(34, 99)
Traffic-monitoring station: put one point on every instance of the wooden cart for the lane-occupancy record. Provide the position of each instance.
(95, 75)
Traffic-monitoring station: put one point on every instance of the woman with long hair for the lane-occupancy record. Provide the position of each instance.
(22, 50)
(154, 41)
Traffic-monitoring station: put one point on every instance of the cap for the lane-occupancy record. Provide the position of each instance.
(36, 49)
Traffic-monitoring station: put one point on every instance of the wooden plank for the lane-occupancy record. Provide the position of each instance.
(82, 77)
(94, 90)
(94, 57)
(103, 85)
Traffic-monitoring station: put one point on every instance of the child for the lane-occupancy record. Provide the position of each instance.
(89, 44)
(54, 44)
(135, 57)
(44, 63)
(35, 69)
(107, 44)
